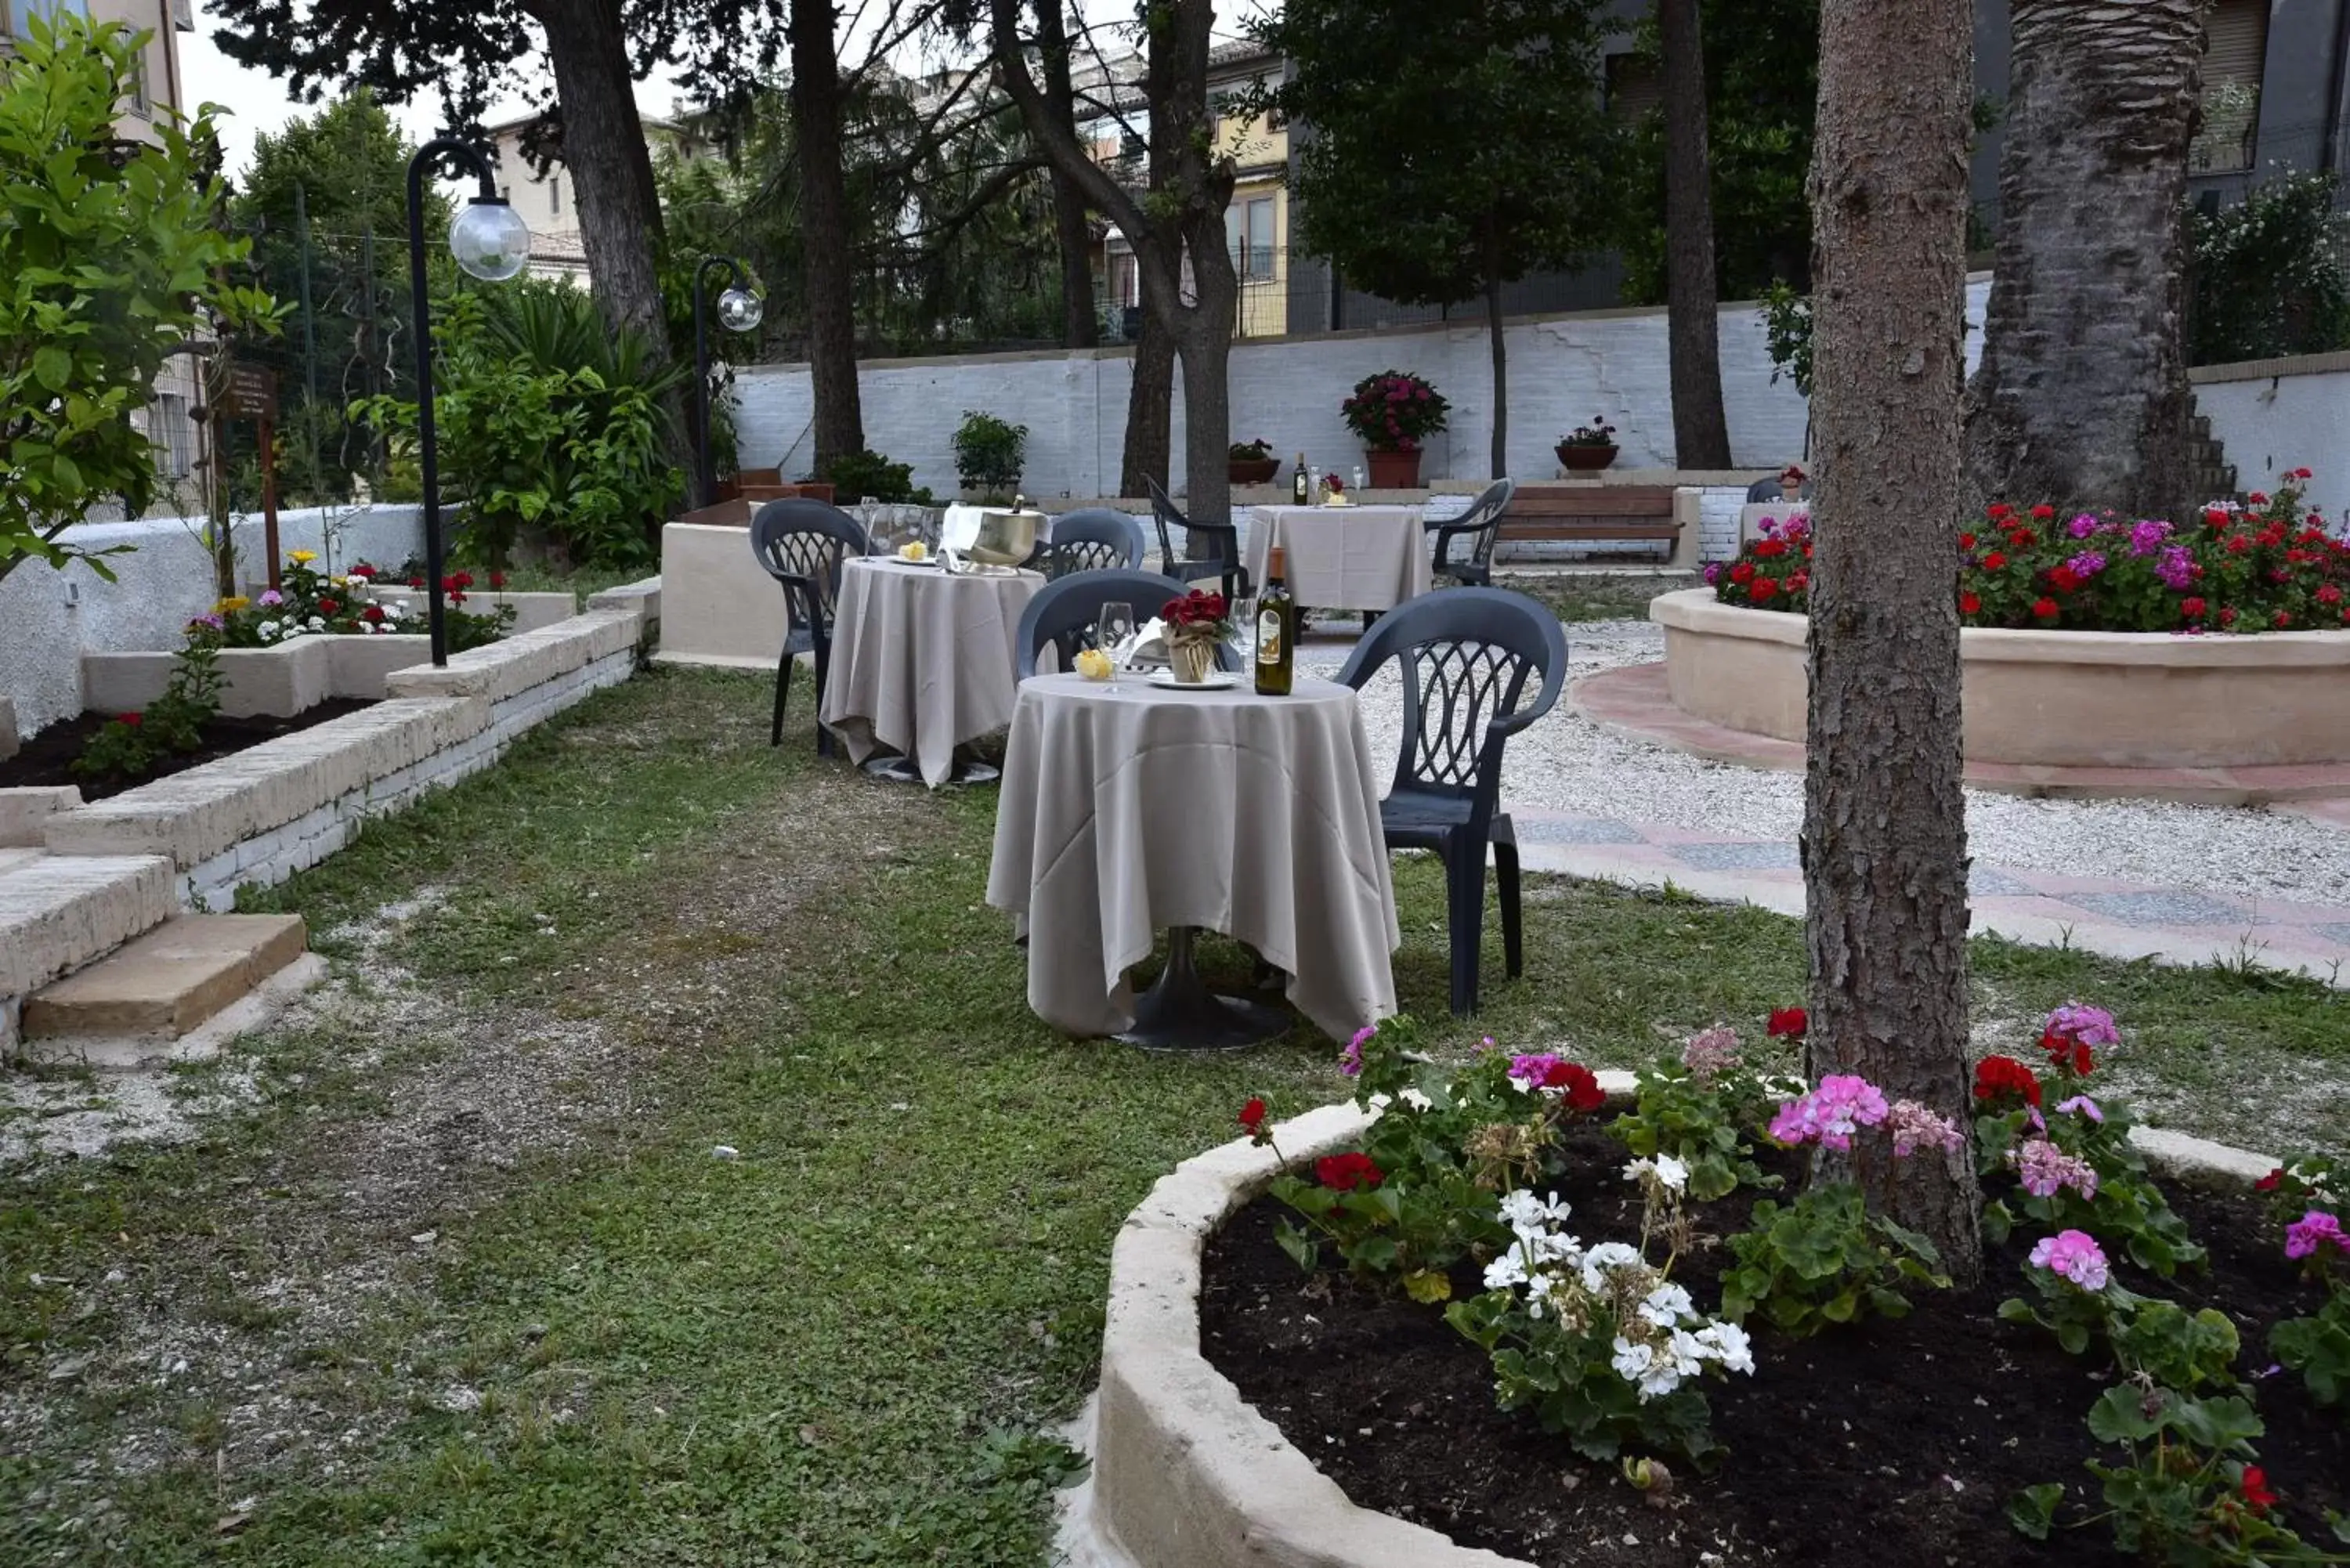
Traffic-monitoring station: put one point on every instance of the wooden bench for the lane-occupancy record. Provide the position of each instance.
(1546, 512)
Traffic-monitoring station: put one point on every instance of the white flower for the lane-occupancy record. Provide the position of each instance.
(1666, 1305)
(317, 623)
(1599, 1259)
(1528, 1214)
(1509, 1269)
(265, 630)
(392, 612)
(1730, 1345)
(1554, 1247)
(1670, 1173)
(1415, 1099)
(1632, 1361)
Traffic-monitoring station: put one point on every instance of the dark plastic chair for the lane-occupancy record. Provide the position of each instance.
(802, 544)
(1476, 530)
(1466, 655)
(1218, 543)
(1092, 539)
(1764, 490)
(1064, 613)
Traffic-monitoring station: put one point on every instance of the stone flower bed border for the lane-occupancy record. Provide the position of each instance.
(1188, 1475)
(279, 681)
(2049, 698)
(276, 808)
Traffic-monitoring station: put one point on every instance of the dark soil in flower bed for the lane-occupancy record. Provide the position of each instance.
(1896, 1442)
(47, 757)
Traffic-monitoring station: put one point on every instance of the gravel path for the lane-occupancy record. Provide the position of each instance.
(1567, 763)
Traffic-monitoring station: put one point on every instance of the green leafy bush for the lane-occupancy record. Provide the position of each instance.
(2268, 276)
(131, 744)
(989, 453)
(1825, 1259)
(870, 476)
(546, 420)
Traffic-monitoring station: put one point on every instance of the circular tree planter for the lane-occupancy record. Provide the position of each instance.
(1188, 1475)
(2048, 698)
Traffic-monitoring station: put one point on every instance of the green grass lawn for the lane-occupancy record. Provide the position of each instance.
(464, 1283)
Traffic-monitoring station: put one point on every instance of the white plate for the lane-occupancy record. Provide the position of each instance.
(927, 563)
(1215, 680)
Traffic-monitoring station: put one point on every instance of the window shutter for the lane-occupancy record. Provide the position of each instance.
(2236, 39)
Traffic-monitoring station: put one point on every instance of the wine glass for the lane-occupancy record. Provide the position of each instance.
(1113, 634)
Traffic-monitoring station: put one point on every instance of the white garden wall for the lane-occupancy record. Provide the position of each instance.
(48, 619)
(1562, 371)
(2276, 414)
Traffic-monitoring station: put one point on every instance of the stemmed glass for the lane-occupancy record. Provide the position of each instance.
(1115, 635)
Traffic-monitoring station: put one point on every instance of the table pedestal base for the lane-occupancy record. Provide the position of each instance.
(1179, 1012)
(902, 770)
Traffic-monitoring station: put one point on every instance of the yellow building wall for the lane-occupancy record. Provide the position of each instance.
(1262, 153)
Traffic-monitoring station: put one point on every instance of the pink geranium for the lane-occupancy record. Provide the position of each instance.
(2313, 1230)
(1830, 1114)
(2074, 1255)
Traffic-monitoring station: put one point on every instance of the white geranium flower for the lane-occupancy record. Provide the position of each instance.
(1509, 1269)
(1605, 1257)
(317, 623)
(1730, 1345)
(1670, 1173)
(265, 630)
(1632, 1362)
(1666, 1305)
(392, 612)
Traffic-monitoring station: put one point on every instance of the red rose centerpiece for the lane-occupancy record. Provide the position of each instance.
(1197, 624)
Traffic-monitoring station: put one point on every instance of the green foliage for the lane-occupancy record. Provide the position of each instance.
(1446, 154)
(2318, 1348)
(1565, 1375)
(2268, 276)
(2148, 1337)
(2129, 1212)
(1825, 1259)
(870, 476)
(1787, 333)
(1699, 1119)
(989, 452)
(131, 744)
(110, 265)
(545, 419)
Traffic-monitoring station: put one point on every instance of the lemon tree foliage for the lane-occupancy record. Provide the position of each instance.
(110, 265)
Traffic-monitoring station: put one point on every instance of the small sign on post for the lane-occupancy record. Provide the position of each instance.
(251, 394)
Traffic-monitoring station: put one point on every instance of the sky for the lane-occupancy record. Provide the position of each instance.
(260, 103)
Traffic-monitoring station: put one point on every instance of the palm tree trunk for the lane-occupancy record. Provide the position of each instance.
(1883, 846)
(2082, 397)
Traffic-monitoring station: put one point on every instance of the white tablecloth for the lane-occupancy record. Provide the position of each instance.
(922, 659)
(1126, 810)
(1343, 557)
(1751, 515)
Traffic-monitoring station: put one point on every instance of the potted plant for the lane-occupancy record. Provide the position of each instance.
(1253, 462)
(1197, 624)
(989, 454)
(1393, 413)
(1587, 449)
(1791, 482)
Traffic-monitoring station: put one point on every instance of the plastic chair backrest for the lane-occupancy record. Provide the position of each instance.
(1484, 518)
(802, 544)
(1094, 539)
(1466, 656)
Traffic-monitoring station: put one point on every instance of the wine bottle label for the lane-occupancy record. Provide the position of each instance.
(1268, 636)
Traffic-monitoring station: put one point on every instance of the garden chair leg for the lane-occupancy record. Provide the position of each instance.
(1506, 874)
(1465, 887)
(824, 746)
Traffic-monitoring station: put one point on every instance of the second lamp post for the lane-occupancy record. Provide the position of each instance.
(739, 310)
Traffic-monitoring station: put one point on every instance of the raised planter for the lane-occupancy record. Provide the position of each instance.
(2049, 698)
(1188, 1475)
(532, 611)
(274, 682)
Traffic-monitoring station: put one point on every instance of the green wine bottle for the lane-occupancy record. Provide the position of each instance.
(1276, 627)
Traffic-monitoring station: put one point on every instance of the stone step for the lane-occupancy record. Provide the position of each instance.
(58, 912)
(168, 982)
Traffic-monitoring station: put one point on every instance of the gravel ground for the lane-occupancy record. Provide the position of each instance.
(1565, 762)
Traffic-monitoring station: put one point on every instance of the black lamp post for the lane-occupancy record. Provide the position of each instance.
(489, 240)
(738, 311)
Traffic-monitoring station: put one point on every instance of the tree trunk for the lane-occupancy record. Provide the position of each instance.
(1149, 408)
(823, 226)
(612, 178)
(1701, 431)
(1080, 323)
(1883, 846)
(1501, 467)
(2082, 398)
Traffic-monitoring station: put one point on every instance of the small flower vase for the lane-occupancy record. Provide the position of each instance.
(1790, 491)
(1190, 660)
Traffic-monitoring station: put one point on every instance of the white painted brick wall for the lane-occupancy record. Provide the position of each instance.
(268, 858)
(1564, 371)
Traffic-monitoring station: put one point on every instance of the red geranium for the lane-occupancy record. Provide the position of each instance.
(1253, 1118)
(362, 571)
(2255, 1486)
(2270, 1182)
(372, 615)
(1996, 1076)
(2227, 615)
(2298, 473)
(1769, 547)
(1582, 1088)
(2283, 619)
(1970, 603)
(1994, 561)
(1197, 607)
(2065, 1051)
(1966, 541)
(2063, 580)
(1788, 1022)
(2215, 516)
(1742, 573)
(134, 720)
(1344, 1172)
(2044, 512)
(2258, 498)
(2045, 608)
(497, 582)
(2192, 608)
(1764, 589)
(329, 607)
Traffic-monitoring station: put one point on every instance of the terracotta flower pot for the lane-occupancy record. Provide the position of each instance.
(1190, 659)
(1394, 470)
(1583, 459)
(1254, 470)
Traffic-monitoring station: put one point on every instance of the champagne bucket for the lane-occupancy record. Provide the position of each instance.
(1006, 538)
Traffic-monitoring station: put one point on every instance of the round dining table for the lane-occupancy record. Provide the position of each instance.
(921, 659)
(1349, 558)
(1126, 807)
